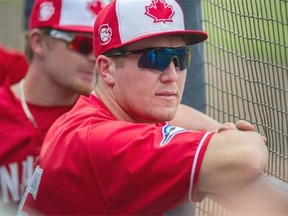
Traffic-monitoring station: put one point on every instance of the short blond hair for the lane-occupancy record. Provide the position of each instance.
(27, 47)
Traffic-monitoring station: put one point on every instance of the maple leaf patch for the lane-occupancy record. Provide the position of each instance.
(160, 11)
(95, 6)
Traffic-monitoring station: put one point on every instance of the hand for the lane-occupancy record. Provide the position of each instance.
(244, 126)
(241, 125)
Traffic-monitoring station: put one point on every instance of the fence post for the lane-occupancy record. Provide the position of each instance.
(194, 92)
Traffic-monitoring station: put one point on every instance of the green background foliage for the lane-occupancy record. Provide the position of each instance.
(256, 29)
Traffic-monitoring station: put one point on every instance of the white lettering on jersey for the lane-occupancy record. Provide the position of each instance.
(169, 132)
(32, 189)
(11, 189)
(9, 182)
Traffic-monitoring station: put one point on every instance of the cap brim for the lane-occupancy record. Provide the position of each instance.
(189, 36)
(193, 36)
(82, 29)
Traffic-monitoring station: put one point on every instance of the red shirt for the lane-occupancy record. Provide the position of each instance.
(20, 142)
(91, 163)
(13, 65)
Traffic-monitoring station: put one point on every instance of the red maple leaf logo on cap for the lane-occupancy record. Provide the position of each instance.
(160, 11)
(95, 6)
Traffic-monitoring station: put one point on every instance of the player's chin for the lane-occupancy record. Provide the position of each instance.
(166, 113)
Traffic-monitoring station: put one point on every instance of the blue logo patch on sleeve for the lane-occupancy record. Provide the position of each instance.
(169, 132)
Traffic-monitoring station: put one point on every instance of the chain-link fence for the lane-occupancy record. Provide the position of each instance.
(246, 73)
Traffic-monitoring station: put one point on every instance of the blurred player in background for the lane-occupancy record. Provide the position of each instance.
(114, 153)
(13, 65)
(59, 50)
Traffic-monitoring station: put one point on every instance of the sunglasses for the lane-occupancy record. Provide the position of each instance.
(160, 58)
(77, 43)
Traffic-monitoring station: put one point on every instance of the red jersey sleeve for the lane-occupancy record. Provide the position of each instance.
(13, 65)
(160, 160)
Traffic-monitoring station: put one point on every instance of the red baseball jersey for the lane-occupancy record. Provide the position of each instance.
(91, 163)
(20, 143)
(13, 65)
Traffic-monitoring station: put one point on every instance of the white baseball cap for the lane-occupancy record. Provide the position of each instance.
(67, 15)
(123, 22)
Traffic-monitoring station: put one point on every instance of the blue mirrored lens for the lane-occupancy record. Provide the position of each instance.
(161, 58)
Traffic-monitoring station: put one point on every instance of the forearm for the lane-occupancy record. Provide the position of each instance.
(192, 119)
(263, 196)
(232, 159)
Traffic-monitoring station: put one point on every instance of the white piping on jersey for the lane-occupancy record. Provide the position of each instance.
(25, 107)
(195, 164)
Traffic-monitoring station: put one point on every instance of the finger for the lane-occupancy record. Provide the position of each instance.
(264, 138)
(244, 125)
(222, 128)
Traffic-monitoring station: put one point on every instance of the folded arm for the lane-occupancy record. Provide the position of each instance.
(265, 195)
(192, 119)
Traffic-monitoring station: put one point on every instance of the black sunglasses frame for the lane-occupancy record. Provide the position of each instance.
(180, 60)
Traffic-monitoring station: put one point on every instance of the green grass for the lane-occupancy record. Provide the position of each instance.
(255, 29)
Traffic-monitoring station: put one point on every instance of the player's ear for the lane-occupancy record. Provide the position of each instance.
(36, 41)
(106, 68)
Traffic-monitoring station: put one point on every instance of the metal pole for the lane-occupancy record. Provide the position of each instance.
(194, 92)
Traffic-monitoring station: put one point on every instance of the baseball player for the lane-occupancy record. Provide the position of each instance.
(59, 51)
(13, 65)
(114, 153)
(61, 67)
